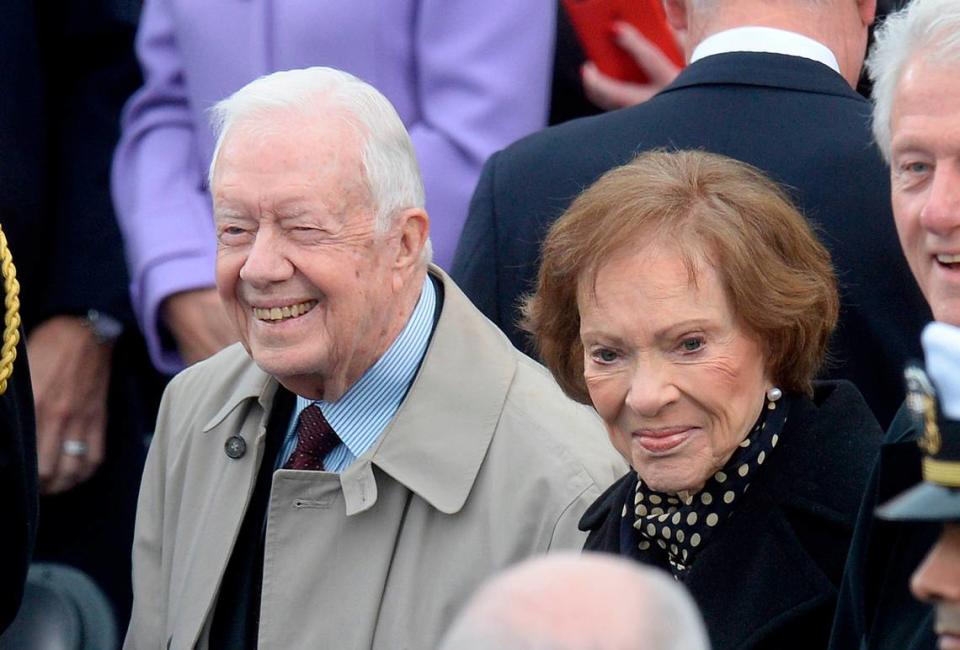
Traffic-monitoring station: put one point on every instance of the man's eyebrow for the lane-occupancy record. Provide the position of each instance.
(909, 143)
(228, 212)
(292, 211)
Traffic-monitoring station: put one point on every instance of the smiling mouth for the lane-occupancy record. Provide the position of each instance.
(948, 260)
(273, 314)
(948, 641)
(662, 440)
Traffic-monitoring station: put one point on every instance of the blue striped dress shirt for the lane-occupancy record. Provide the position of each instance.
(361, 415)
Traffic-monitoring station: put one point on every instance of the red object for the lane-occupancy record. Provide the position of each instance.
(593, 21)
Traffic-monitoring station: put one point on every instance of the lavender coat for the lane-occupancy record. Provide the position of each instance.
(466, 77)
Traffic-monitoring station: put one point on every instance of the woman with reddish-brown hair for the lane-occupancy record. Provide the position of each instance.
(687, 300)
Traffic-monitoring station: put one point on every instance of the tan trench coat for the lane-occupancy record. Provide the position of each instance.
(485, 463)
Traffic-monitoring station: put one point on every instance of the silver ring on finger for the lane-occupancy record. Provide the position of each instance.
(75, 448)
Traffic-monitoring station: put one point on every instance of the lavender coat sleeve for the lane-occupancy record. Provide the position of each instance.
(162, 206)
(467, 79)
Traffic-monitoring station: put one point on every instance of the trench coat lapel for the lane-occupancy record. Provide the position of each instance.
(220, 510)
(434, 450)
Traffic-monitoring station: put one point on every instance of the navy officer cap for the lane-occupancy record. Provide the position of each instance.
(937, 497)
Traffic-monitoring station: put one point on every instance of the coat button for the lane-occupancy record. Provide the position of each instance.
(235, 447)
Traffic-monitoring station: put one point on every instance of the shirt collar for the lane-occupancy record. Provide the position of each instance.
(765, 39)
(360, 416)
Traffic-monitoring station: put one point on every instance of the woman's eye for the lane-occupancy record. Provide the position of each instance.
(691, 344)
(605, 356)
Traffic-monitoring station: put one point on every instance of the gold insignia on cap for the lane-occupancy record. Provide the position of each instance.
(922, 402)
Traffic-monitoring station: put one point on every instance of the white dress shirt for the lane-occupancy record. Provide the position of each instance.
(765, 39)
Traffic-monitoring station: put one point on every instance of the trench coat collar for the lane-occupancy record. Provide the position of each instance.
(438, 438)
(252, 383)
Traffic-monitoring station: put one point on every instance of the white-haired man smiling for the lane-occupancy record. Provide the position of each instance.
(375, 447)
(915, 67)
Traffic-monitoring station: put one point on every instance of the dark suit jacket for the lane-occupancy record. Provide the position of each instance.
(59, 122)
(769, 579)
(876, 610)
(794, 119)
(18, 485)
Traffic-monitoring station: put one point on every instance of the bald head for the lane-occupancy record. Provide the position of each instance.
(579, 602)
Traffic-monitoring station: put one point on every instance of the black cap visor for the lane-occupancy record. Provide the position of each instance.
(923, 502)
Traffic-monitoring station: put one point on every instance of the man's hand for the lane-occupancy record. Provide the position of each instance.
(609, 93)
(198, 323)
(70, 373)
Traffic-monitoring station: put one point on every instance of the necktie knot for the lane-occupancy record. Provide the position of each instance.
(315, 439)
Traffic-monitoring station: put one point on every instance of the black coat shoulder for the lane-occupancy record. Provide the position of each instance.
(876, 610)
(18, 485)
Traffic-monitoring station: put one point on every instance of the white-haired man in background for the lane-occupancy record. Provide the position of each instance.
(374, 448)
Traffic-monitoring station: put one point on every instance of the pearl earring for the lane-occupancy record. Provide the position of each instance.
(773, 394)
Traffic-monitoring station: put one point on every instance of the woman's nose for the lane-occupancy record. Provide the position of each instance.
(651, 389)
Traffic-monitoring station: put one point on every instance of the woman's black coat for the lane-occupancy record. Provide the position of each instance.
(769, 578)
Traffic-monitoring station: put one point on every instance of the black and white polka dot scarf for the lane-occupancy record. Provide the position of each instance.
(672, 529)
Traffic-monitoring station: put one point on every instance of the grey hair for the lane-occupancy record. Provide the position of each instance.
(658, 612)
(392, 174)
(928, 27)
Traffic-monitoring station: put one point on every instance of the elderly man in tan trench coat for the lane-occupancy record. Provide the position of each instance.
(375, 447)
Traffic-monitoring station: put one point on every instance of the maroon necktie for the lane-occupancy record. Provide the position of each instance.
(315, 439)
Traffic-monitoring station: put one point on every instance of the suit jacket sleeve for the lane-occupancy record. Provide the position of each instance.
(475, 267)
(483, 83)
(165, 215)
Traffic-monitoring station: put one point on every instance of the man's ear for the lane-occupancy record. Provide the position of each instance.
(676, 11)
(679, 21)
(867, 10)
(412, 227)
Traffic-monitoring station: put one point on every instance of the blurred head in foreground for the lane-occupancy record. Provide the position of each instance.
(579, 602)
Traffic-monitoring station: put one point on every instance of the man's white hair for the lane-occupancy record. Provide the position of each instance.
(928, 28)
(566, 601)
(389, 162)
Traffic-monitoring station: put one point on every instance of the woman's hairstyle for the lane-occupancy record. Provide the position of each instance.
(777, 276)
